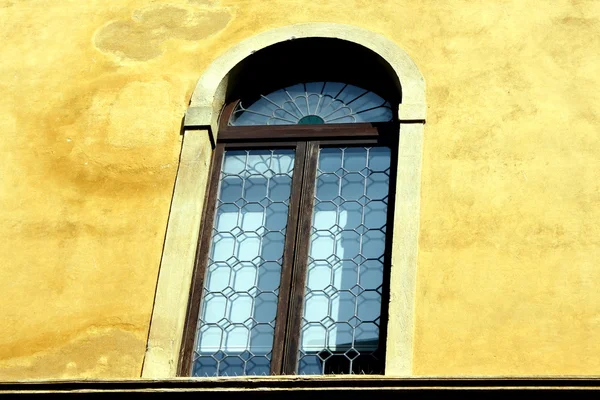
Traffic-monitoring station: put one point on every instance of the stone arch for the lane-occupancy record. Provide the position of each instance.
(209, 94)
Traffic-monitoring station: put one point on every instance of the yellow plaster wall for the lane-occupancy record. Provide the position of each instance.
(91, 100)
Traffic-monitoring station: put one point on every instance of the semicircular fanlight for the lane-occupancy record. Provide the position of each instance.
(313, 103)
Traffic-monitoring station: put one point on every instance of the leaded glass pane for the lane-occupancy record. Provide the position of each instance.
(241, 288)
(313, 103)
(341, 321)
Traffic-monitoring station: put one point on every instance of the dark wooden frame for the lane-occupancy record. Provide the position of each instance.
(306, 140)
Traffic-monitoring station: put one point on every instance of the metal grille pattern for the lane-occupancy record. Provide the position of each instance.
(340, 325)
(241, 287)
(313, 103)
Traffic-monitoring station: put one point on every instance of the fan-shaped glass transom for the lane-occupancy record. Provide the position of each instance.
(313, 103)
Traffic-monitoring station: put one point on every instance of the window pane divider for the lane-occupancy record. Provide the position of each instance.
(296, 300)
(299, 132)
(288, 262)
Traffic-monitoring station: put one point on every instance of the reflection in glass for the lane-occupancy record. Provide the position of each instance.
(241, 287)
(340, 329)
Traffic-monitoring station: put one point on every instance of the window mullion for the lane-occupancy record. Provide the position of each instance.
(302, 242)
(288, 261)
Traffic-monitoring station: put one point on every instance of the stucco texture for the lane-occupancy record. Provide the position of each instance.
(91, 102)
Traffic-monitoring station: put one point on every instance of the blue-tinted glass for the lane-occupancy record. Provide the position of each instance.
(237, 317)
(340, 331)
(313, 103)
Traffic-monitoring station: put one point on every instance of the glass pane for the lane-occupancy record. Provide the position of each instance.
(241, 288)
(313, 103)
(340, 331)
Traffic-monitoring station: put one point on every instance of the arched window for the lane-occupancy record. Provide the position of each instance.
(313, 103)
(287, 252)
(292, 277)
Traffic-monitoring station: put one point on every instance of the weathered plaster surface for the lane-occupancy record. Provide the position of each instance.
(507, 278)
(141, 37)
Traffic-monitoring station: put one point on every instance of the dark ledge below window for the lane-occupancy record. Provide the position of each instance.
(265, 388)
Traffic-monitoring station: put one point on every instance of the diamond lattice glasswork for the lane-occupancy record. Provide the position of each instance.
(241, 287)
(313, 103)
(341, 321)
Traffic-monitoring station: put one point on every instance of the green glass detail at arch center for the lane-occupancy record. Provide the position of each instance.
(311, 120)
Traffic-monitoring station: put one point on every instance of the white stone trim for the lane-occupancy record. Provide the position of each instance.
(178, 258)
(399, 348)
(209, 94)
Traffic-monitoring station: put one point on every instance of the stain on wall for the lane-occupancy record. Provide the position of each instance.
(77, 356)
(141, 37)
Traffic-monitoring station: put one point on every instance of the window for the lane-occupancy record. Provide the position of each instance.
(262, 64)
(292, 266)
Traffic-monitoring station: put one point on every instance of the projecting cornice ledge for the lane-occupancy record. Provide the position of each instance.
(350, 387)
(412, 113)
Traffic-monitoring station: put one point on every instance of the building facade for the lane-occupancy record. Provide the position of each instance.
(111, 122)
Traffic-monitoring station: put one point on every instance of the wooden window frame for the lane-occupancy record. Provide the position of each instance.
(306, 140)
